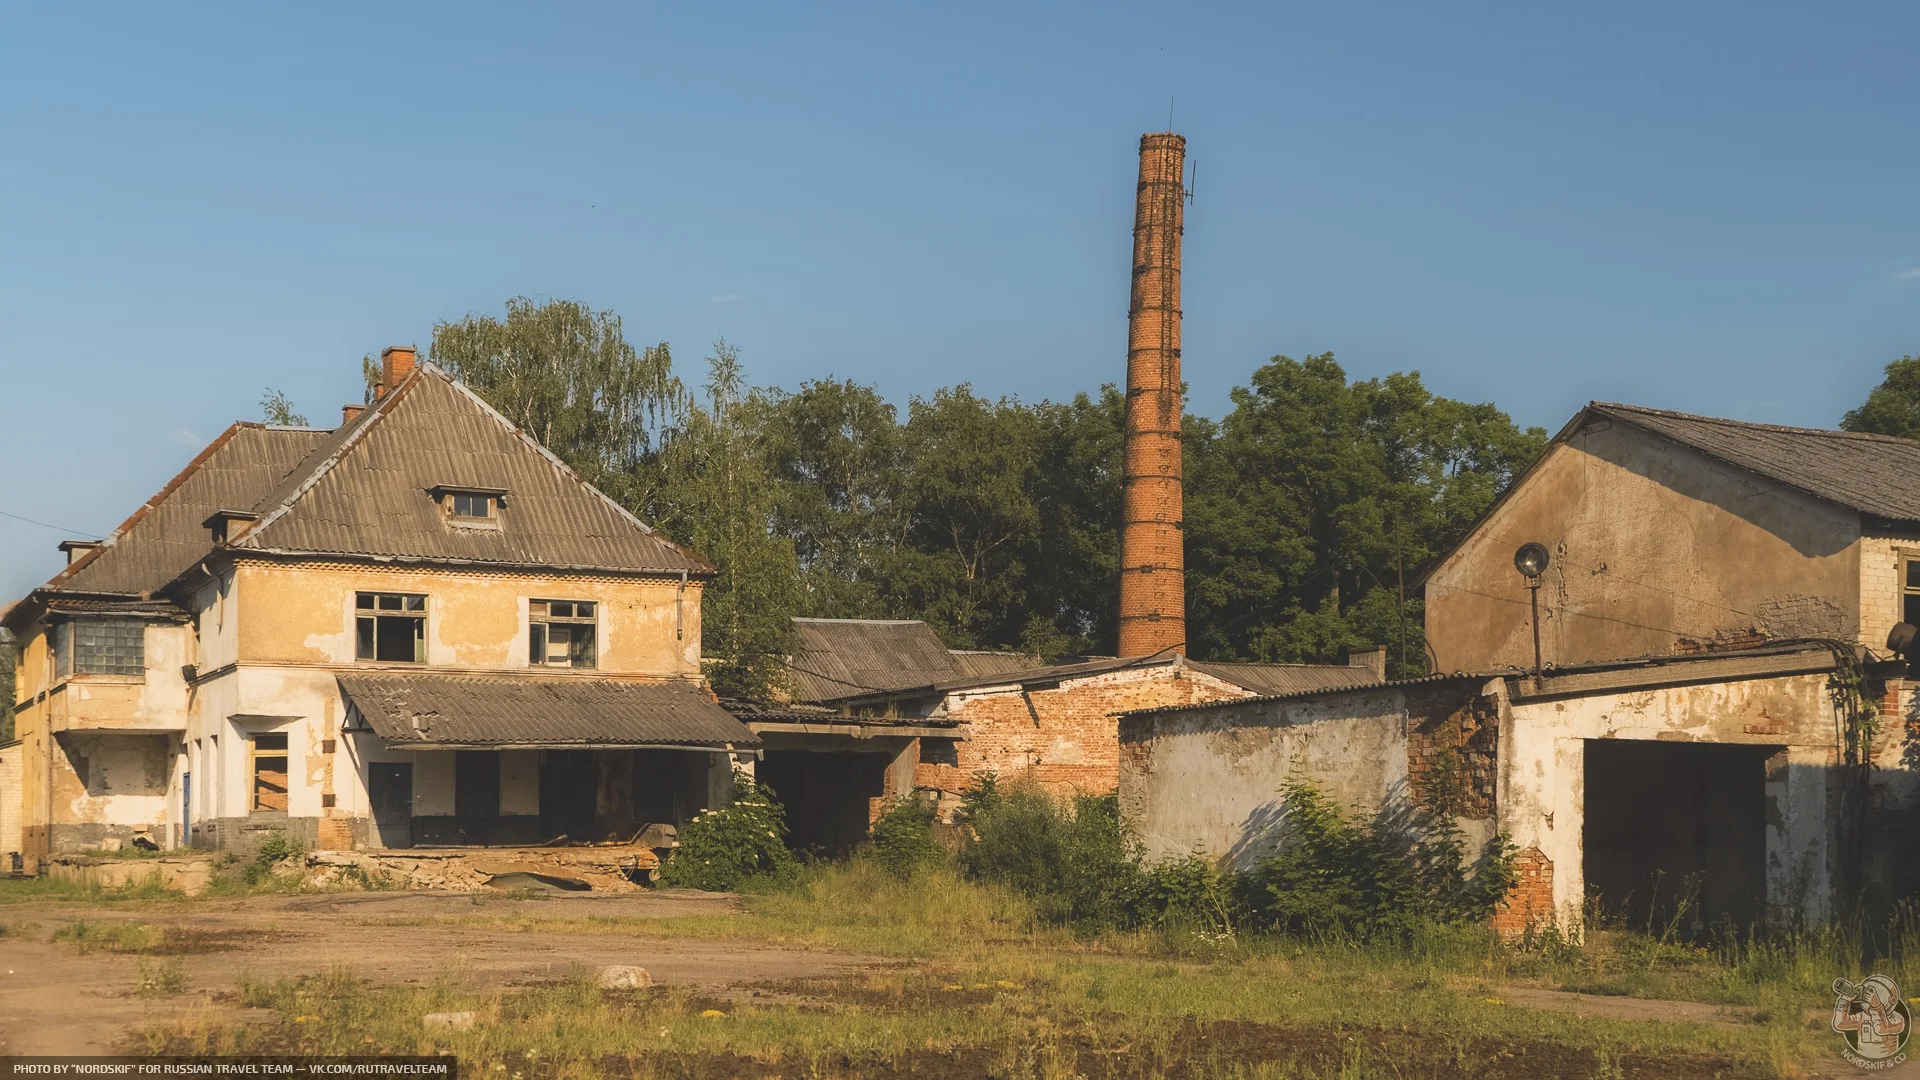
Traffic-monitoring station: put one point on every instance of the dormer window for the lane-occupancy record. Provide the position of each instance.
(470, 505)
(223, 524)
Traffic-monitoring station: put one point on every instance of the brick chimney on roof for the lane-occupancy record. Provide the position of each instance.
(1153, 588)
(396, 363)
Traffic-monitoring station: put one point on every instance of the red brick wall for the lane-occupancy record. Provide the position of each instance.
(1069, 740)
(1465, 740)
(1530, 902)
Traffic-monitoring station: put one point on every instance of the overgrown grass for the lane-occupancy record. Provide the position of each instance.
(26, 890)
(1008, 1012)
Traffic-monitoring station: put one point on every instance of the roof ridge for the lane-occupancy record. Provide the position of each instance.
(153, 502)
(1832, 433)
(372, 415)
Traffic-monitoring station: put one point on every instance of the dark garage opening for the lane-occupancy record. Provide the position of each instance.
(825, 794)
(1672, 824)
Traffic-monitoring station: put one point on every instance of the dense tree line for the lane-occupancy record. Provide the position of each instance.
(1312, 507)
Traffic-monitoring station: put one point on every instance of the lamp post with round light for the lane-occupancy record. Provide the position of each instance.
(1531, 561)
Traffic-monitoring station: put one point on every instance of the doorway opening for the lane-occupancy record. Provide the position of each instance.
(827, 795)
(1675, 834)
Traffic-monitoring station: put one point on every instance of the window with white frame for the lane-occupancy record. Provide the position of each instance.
(560, 633)
(1910, 589)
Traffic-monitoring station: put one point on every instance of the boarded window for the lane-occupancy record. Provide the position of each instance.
(391, 627)
(270, 771)
(562, 633)
(109, 647)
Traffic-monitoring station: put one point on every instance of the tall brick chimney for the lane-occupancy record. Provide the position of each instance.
(1153, 588)
(396, 363)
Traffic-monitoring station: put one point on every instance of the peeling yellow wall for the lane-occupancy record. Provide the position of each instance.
(304, 614)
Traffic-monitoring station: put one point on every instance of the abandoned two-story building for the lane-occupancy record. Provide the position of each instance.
(1712, 706)
(418, 628)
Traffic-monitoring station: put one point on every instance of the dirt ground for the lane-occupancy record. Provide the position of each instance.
(54, 999)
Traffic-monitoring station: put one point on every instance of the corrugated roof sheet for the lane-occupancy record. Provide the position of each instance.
(974, 662)
(168, 533)
(1390, 684)
(1267, 679)
(365, 492)
(1873, 474)
(843, 658)
(438, 709)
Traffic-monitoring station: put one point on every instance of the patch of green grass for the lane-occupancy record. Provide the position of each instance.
(146, 938)
(161, 976)
(25, 890)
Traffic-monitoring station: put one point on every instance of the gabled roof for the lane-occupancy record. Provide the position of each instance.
(1877, 475)
(168, 533)
(365, 492)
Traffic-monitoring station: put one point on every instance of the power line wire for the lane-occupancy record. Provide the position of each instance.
(47, 525)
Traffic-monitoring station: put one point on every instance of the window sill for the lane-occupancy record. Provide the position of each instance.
(477, 524)
(106, 680)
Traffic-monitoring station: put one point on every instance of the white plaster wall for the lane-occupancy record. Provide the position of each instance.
(11, 755)
(218, 608)
(126, 779)
(519, 781)
(1543, 784)
(1209, 781)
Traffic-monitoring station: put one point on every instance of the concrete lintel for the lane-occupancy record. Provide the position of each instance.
(1676, 673)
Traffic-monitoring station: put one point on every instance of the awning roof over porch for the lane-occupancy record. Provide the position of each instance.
(439, 711)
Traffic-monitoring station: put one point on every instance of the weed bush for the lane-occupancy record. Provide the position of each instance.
(902, 839)
(729, 847)
(1332, 876)
(1075, 862)
(1336, 876)
(277, 848)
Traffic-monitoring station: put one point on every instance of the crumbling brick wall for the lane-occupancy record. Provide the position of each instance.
(1463, 740)
(1067, 738)
(1530, 902)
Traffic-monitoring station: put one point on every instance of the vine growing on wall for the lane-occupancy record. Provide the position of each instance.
(1859, 714)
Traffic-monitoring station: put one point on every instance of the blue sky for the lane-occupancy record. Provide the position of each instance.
(1706, 206)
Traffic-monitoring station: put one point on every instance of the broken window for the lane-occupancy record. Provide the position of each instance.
(390, 626)
(270, 771)
(561, 633)
(1910, 590)
(109, 647)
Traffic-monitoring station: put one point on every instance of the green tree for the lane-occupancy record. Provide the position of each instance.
(718, 498)
(1316, 501)
(837, 456)
(277, 408)
(1893, 408)
(565, 374)
(1073, 577)
(9, 663)
(971, 467)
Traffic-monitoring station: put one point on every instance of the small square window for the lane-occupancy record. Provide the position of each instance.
(467, 504)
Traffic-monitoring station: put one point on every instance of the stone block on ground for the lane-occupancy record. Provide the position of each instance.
(624, 977)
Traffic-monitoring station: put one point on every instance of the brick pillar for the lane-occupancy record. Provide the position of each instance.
(1153, 595)
(1530, 901)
